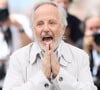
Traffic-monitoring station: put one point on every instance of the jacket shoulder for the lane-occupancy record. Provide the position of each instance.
(22, 51)
(21, 55)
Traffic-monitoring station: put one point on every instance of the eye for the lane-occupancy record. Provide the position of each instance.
(52, 22)
(40, 23)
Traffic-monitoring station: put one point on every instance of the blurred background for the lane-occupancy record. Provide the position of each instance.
(78, 7)
(16, 32)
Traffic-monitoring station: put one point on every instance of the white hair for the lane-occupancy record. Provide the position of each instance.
(61, 10)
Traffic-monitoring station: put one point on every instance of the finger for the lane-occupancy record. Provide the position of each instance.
(46, 66)
(47, 47)
(51, 46)
(47, 51)
(47, 54)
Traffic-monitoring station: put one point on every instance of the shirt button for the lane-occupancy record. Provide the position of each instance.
(46, 85)
(60, 78)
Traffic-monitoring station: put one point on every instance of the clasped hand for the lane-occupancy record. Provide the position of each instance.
(50, 65)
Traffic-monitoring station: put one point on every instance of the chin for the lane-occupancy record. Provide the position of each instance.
(54, 46)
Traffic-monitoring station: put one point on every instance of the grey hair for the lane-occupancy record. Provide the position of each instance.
(69, 1)
(61, 10)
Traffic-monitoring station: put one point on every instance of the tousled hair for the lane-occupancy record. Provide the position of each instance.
(61, 10)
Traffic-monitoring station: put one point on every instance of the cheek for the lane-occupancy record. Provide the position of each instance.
(60, 31)
(37, 32)
(58, 34)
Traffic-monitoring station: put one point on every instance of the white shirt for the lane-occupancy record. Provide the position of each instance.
(96, 58)
(4, 50)
(25, 72)
(16, 39)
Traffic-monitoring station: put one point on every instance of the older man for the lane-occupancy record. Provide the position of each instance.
(49, 63)
(91, 42)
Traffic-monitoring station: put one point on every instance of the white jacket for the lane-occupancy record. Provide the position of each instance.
(25, 72)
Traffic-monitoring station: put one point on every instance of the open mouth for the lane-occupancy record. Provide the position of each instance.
(47, 40)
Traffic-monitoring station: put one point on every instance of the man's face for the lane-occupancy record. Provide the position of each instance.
(47, 26)
(63, 3)
(92, 24)
(3, 4)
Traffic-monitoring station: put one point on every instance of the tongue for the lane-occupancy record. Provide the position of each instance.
(47, 41)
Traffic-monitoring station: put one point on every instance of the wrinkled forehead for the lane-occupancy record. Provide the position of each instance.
(47, 11)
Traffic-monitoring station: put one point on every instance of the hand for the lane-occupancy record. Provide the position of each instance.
(46, 65)
(55, 66)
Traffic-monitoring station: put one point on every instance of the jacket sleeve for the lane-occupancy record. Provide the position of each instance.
(14, 79)
(66, 81)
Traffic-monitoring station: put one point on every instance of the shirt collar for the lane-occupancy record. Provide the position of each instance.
(63, 51)
(35, 49)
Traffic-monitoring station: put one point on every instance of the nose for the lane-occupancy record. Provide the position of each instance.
(46, 27)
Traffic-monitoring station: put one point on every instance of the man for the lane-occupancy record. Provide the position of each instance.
(91, 42)
(49, 63)
(12, 36)
(12, 30)
(74, 23)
